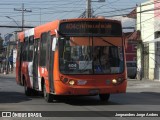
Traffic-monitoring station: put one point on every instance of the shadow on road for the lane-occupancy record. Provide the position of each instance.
(82, 100)
(7, 77)
(142, 98)
(12, 97)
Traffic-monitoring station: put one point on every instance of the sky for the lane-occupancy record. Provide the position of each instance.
(48, 10)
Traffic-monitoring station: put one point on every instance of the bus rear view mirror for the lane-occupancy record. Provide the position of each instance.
(54, 42)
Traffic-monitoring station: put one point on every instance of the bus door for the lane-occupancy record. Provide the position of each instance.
(19, 62)
(50, 59)
(35, 65)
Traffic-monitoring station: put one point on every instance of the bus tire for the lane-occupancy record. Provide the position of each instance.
(47, 96)
(104, 97)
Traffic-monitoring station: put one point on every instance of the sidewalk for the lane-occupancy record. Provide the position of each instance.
(144, 83)
(10, 74)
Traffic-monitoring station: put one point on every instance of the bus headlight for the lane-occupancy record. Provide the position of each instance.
(71, 82)
(117, 81)
(120, 80)
(65, 80)
(114, 81)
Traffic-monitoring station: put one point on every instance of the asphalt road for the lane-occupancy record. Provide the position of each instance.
(141, 96)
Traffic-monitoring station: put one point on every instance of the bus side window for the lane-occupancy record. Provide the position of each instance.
(48, 51)
(43, 48)
(23, 52)
(25, 49)
(30, 48)
(18, 50)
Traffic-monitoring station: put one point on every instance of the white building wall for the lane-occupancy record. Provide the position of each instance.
(146, 24)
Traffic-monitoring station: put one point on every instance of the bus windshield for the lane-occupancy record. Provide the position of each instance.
(91, 55)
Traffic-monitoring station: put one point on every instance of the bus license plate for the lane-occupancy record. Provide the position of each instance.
(94, 91)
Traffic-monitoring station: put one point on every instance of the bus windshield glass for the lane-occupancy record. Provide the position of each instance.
(91, 55)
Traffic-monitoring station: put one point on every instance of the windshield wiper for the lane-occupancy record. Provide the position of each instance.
(107, 42)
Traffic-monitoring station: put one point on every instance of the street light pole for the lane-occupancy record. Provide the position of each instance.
(88, 8)
(12, 19)
(22, 16)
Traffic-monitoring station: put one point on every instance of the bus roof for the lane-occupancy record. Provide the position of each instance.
(29, 32)
(54, 25)
(51, 26)
(21, 36)
(89, 19)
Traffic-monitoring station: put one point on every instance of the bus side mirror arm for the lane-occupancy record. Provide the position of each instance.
(58, 33)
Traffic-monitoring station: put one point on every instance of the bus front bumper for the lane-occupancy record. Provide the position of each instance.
(62, 89)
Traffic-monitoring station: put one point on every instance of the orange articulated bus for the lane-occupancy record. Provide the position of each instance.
(81, 56)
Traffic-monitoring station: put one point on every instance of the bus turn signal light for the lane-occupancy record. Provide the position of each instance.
(120, 80)
(65, 80)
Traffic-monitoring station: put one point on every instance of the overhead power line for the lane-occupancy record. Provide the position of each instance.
(10, 26)
(129, 8)
(116, 10)
(22, 10)
(135, 12)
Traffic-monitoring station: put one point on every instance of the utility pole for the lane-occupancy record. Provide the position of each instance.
(22, 10)
(140, 48)
(88, 9)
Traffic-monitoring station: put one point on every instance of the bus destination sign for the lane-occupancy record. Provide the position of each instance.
(94, 28)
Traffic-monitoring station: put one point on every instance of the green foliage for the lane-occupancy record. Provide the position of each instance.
(1, 45)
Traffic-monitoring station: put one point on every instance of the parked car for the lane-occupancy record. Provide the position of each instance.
(131, 69)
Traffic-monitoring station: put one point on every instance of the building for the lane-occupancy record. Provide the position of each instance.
(1, 54)
(132, 39)
(148, 52)
(1, 47)
(10, 47)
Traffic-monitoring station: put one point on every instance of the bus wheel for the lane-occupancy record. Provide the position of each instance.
(47, 96)
(104, 97)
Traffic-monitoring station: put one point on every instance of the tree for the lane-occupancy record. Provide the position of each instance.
(1, 46)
